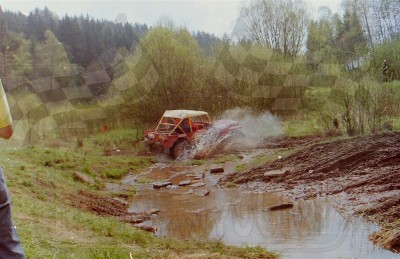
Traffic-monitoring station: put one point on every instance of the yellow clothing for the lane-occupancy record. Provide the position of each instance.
(5, 115)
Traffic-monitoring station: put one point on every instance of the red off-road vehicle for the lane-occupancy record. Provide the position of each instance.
(182, 131)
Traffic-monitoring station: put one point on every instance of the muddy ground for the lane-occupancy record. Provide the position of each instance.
(115, 207)
(362, 174)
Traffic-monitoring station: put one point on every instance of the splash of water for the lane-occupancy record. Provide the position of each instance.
(253, 132)
(256, 128)
(206, 144)
(209, 142)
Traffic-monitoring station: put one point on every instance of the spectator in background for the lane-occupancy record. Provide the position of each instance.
(386, 71)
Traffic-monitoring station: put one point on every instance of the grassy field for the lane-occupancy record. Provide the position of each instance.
(41, 181)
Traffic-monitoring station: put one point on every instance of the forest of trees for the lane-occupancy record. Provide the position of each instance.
(76, 73)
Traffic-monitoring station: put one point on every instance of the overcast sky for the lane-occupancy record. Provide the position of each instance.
(212, 16)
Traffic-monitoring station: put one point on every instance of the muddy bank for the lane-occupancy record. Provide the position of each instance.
(362, 173)
(116, 207)
(289, 142)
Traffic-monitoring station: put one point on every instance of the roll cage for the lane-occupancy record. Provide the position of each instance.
(182, 125)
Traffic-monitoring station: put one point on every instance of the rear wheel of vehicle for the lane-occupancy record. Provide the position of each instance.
(182, 149)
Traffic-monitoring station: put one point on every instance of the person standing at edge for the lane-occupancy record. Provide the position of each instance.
(10, 246)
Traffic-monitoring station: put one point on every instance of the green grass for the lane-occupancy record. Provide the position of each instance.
(230, 185)
(303, 127)
(396, 124)
(93, 162)
(41, 183)
(144, 181)
(263, 159)
(226, 158)
(122, 139)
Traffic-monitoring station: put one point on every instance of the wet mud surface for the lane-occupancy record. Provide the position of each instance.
(115, 207)
(361, 173)
(290, 142)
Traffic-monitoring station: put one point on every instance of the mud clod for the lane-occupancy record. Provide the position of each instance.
(282, 206)
(217, 170)
(184, 183)
(161, 185)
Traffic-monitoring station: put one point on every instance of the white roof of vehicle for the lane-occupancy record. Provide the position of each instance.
(183, 113)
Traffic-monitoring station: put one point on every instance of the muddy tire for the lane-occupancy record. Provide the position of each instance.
(182, 149)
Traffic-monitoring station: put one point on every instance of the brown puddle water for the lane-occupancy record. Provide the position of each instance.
(312, 229)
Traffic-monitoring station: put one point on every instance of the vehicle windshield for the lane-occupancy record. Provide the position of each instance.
(170, 125)
(167, 124)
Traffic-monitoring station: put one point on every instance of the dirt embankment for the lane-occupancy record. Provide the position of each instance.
(290, 142)
(363, 173)
(115, 207)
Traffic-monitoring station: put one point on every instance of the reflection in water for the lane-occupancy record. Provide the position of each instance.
(183, 215)
(312, 229)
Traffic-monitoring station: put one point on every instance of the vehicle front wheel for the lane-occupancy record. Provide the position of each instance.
(182, 149)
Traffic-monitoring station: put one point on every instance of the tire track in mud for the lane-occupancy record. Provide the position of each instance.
(363, 172)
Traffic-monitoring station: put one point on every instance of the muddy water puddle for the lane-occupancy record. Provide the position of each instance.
(311, 229)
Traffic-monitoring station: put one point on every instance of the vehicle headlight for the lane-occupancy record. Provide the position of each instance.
(151, 136)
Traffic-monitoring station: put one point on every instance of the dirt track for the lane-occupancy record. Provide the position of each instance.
(362, 173)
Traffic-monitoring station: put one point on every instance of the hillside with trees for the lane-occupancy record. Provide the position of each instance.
(74, 74)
